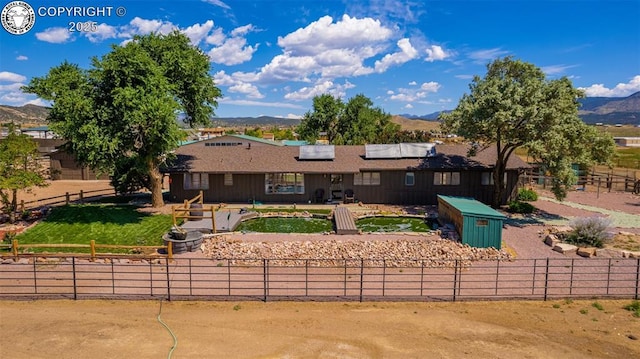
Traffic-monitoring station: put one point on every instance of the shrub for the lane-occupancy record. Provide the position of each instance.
(589, 231)
(527, 195)
(520, 207)
(634, 307)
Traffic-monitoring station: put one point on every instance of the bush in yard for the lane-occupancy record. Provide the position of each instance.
(520, 207)
(589, 231)
(527, 195)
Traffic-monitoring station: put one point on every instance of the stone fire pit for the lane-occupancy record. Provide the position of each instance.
(183, 242)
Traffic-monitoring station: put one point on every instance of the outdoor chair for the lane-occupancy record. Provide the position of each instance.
(349, 196)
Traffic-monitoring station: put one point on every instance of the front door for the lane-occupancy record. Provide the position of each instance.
(335, 187)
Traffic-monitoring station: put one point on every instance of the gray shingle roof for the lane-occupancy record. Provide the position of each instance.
(348, 159)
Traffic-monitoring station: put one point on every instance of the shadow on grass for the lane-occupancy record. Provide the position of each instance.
(95, 213)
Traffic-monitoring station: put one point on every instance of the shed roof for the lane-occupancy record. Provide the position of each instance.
(470, 206)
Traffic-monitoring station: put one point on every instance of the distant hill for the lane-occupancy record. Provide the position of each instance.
(606, 110)
(611, 110)
(415, 123)
(27, 114)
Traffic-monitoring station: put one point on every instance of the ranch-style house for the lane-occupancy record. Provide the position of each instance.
(242, 169)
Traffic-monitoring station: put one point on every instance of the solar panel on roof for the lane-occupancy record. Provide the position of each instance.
(317, 152)
(382, 151)
(402, 150)
(417, 150)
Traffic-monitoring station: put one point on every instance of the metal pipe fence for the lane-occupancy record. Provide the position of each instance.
(318, 279)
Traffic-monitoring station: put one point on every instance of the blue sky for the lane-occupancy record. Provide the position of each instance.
(416, 57)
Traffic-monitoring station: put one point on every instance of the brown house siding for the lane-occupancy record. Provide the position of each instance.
(63, 166)
(392, 188)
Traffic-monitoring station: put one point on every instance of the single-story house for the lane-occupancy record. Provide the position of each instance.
(392, 174)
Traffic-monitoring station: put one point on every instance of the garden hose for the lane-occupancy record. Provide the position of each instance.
(175, 339)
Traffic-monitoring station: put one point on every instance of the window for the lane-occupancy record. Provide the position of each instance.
(366, 179)
(196, 181)
(446, 178)
(284, 183)
(228, 179)
(487, 178)
(482, 222)
(409, 179)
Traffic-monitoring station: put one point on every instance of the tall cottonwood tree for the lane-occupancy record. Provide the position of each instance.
(355, 122)
(514, 106)
(120, 115)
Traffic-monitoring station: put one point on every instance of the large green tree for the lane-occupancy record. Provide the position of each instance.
(120, 115)
(353, 123)
(514, 106)
(19, 169)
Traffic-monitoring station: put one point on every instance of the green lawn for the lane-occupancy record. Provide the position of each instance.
(104, 223)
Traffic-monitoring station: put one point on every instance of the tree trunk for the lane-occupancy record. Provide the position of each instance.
(156, 183)
(13, 207)
(498, 183)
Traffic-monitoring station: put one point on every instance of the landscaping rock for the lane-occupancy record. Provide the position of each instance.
(586, 252)
(609, 253)
(551, 240)
(565, 248)
(634, 255)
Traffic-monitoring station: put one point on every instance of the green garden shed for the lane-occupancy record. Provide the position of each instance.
(477, 224)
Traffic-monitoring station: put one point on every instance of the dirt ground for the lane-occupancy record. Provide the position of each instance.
(121, 329)
(513, 329)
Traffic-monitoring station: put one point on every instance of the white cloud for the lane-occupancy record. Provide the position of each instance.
(216, 38)
(140, 26)
(556, 69)
(197, 32)
(11, 77)
(242, 30)
(620, 90)
(485, 56)
(430, 86)
(408, 106)
(406, 53)
(232, 52)
(245, 88)
(435, 53)
(321, 87)
(22, 58)
(412, 94)
(217, 3)
(103, 32)
(38, 102)
(324, 50)
(324, 34)
(412, 83)
(54, 35)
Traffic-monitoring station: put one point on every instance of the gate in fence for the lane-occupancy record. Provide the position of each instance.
(316, 279)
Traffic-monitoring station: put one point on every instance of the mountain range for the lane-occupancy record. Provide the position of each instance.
(606, 110)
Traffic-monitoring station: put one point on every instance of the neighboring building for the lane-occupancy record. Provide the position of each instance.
(252, 171)
(207, 133)
(627, 141)
(65, 167)
(39, 132)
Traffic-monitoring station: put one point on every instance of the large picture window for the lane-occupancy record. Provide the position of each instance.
(196, 181)
(366, 179)
(284, 183)
(446, 178)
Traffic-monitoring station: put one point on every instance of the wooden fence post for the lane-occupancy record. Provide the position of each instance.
(66, 198)
(93, 249)
(14, 247)
(81, 196)
(170, 250)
